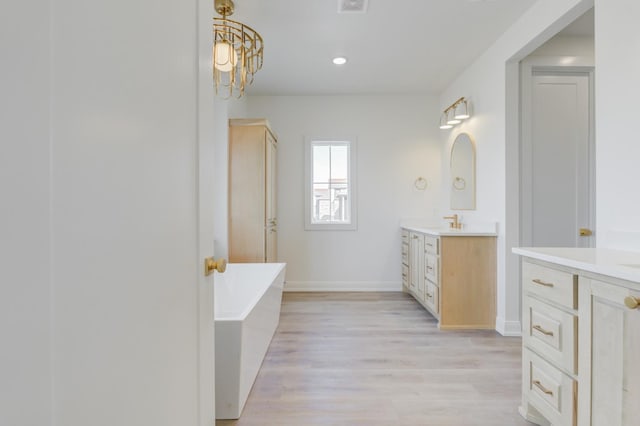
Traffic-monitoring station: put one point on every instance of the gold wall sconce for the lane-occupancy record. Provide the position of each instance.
(455, 114)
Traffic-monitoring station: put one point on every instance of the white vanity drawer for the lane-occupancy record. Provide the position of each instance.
(405, 236)
(550, 391)
(551, 332)
(431, 297)
(431, 268)
(557, 286)
(431, 244)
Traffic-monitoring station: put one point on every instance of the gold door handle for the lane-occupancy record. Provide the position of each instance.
(542, 388)
(542, 283)
(632, 302)
(585, 232)
(542, 330)
(210, 265)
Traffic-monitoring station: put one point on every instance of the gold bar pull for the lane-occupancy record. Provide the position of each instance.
(542, 388)
(585, 232)
(210, 265)
(542, 330)
(632, 302)
(542, 283)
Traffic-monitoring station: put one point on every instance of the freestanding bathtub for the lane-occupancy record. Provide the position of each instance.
(247, 311)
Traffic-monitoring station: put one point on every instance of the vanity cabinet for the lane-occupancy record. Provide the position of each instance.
(550, 327)
(615, 353)
(405, 260)
(454, 277)
(416, 265)
(581, 337)
(252, 192)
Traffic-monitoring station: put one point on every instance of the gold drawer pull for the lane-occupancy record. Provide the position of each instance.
(632, 302)
(540, 282)
(542, 388)
(542, 330)
(429, 268)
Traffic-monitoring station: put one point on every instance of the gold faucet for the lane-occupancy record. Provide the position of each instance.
(455, 224)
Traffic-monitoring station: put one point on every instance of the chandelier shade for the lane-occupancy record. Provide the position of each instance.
(237, 52)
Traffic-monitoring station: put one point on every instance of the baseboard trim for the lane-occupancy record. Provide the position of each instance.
(343, 286)
(508, 328)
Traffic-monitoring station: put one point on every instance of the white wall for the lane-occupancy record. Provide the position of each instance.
(567, 46)
(617, 147)
(485, 83)
(398, 141)
(225, 109)
(25, 293)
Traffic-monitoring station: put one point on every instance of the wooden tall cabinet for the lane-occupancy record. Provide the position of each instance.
(252, 192)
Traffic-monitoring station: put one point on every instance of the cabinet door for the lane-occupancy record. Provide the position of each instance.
(416, 267)
(615, 378)
(272, 244)
(271, 178)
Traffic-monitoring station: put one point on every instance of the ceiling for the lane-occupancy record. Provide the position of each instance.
(397, 46)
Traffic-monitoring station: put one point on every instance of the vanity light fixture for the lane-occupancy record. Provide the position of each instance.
(443, 122)
(454, 114)
(237, 52)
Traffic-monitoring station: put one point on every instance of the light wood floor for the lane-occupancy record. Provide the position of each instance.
(378, 359)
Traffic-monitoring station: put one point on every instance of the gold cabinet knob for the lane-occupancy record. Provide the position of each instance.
(210, 265)
(585, 232)
(632, 302)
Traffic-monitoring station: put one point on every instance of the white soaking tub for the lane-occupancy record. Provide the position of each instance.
(247, 311)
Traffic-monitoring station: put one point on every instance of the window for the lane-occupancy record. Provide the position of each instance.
(330, 184)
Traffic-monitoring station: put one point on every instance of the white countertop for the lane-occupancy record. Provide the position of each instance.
(448, 232)
(614, 263)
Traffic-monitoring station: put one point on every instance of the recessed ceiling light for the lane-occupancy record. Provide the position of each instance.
(340, 60)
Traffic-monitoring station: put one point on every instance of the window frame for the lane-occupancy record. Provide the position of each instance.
(351, 142)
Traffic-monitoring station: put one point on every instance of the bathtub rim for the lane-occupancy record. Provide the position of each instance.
(276, 269)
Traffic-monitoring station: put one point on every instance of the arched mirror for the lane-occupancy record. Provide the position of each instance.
(463, 173)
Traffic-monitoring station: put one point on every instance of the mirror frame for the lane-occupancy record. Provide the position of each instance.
(472, 186)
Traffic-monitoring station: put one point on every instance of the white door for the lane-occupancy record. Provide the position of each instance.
(557, 172)
(131, 160)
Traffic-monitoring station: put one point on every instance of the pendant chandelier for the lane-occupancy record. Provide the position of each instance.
(237, 52)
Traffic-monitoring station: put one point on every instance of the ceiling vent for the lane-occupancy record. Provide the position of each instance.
(352, 6)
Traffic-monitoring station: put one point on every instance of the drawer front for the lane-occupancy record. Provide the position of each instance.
(431, 268)
(405, 276)
(550, 391)
(551, 332)
(405, 236)
(431, 244)
(405, 254)
(431, 297)
(558, 286)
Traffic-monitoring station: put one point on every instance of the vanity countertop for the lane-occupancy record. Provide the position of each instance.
(614, 263)
(448, 232)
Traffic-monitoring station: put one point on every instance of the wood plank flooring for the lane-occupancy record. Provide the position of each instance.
(379, 359)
